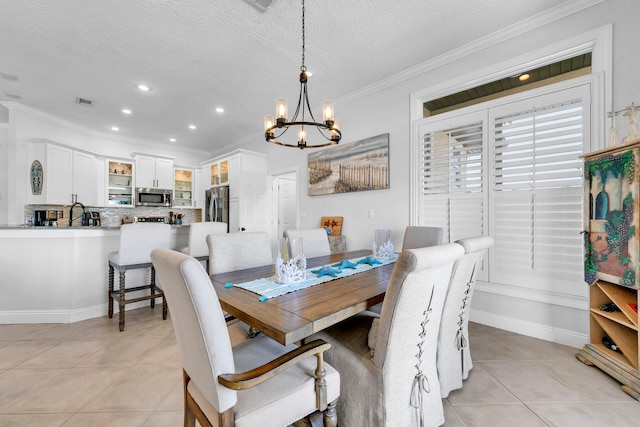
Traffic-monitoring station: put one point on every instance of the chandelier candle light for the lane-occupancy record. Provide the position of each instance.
(328, 128)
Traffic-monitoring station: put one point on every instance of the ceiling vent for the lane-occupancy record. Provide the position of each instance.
(84, 101)
(261, 5)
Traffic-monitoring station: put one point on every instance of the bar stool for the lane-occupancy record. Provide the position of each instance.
(198, 232)
(136, 243)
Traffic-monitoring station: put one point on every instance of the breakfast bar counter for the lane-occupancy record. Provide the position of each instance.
(60, 274)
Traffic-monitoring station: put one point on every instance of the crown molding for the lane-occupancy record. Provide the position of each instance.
(558, 12)
(11, 105)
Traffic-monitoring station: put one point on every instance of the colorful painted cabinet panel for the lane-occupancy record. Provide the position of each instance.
(612, 215)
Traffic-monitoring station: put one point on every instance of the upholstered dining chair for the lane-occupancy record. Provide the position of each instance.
(256, 383)
(237, 251)
(417, 237)
(454, 356)
(198, 232)
(137, 240)
(387, 364)
(315, 241)
(421, 237)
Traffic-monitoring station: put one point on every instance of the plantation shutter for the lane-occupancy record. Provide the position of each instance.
(451, 170)
(536, 191)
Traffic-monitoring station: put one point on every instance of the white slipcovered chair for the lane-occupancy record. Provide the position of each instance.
(237, 251)
(315, 241)
(388, 363)
(454, 355)
(256, 383)
(198, 232)
(417, 237)
(137, 240)
(421, 237)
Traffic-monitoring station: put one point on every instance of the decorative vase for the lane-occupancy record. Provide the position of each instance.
(291, 263)
(382, 246)
(632, 131)
(612, 139)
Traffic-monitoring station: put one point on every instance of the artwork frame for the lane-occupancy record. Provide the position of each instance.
(361, 165)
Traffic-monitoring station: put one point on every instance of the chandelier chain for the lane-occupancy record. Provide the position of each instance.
(303, 68)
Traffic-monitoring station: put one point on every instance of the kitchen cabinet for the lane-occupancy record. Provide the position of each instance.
(183, 193)
(68, 175)
(120, 190)
(249, 189)
(154, 171)
(220, 172)
(612, 253)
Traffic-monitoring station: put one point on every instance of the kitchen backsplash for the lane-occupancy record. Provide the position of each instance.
(112, 216)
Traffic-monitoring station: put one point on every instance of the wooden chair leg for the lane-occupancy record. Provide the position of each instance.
(189, 416)
(153, 285)
(121, 302)
(329, 417)
(110, 291)
(164, 308)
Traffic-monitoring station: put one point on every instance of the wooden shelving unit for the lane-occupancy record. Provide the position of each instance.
(612, 252)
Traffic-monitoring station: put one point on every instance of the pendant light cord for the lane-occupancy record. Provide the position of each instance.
(303, 68)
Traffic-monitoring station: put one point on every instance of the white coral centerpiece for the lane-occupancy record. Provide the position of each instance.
(385, 250)
(292, 271)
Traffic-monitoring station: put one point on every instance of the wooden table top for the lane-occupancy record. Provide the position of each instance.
(296, 315)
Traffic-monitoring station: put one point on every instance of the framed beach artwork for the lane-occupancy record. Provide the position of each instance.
(357, 166)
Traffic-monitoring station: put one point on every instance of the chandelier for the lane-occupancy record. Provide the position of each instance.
(328, 129)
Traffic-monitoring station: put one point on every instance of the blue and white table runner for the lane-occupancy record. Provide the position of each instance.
(268, 287)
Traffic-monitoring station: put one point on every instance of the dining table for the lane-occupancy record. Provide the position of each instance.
(298, 314)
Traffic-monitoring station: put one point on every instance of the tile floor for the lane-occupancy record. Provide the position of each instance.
(90, 374)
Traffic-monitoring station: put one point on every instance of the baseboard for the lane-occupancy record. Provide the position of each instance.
(62, 316)
(530, 329)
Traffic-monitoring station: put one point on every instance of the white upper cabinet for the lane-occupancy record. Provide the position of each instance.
(153, 171)
(67, 175)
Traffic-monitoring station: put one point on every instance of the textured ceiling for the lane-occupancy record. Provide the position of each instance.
(201, 54)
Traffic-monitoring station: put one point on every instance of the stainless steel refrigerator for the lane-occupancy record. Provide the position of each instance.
(217, 205)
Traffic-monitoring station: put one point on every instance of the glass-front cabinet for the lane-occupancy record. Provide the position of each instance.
(119, 183)
(184, 187)
(220, 173)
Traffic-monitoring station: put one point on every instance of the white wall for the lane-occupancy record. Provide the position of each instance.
(4, 179)
(386, 108)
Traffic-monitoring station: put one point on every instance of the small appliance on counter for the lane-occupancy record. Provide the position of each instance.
(45, 218)
(92, 219)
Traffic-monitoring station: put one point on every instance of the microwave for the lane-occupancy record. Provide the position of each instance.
(153, 197)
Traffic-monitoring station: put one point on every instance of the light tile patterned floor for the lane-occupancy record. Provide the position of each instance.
(90, 374)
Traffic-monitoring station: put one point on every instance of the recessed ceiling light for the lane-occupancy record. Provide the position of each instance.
(115, 128)
(126, 111)
(172, 139)
(524, 77)
(144, 87)
(219, 110)
(192, 127)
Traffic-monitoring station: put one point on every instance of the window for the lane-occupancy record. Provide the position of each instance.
(512, 170)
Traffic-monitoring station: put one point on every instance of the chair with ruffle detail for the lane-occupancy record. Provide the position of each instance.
(388, 363)
(454, 356)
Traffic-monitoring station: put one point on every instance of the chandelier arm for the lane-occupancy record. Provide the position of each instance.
(306, 100)
(295, 114)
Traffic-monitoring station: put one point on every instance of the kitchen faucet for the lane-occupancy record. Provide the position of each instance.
(71, 218)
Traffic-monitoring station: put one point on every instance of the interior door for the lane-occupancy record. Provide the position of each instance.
(287, 202)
